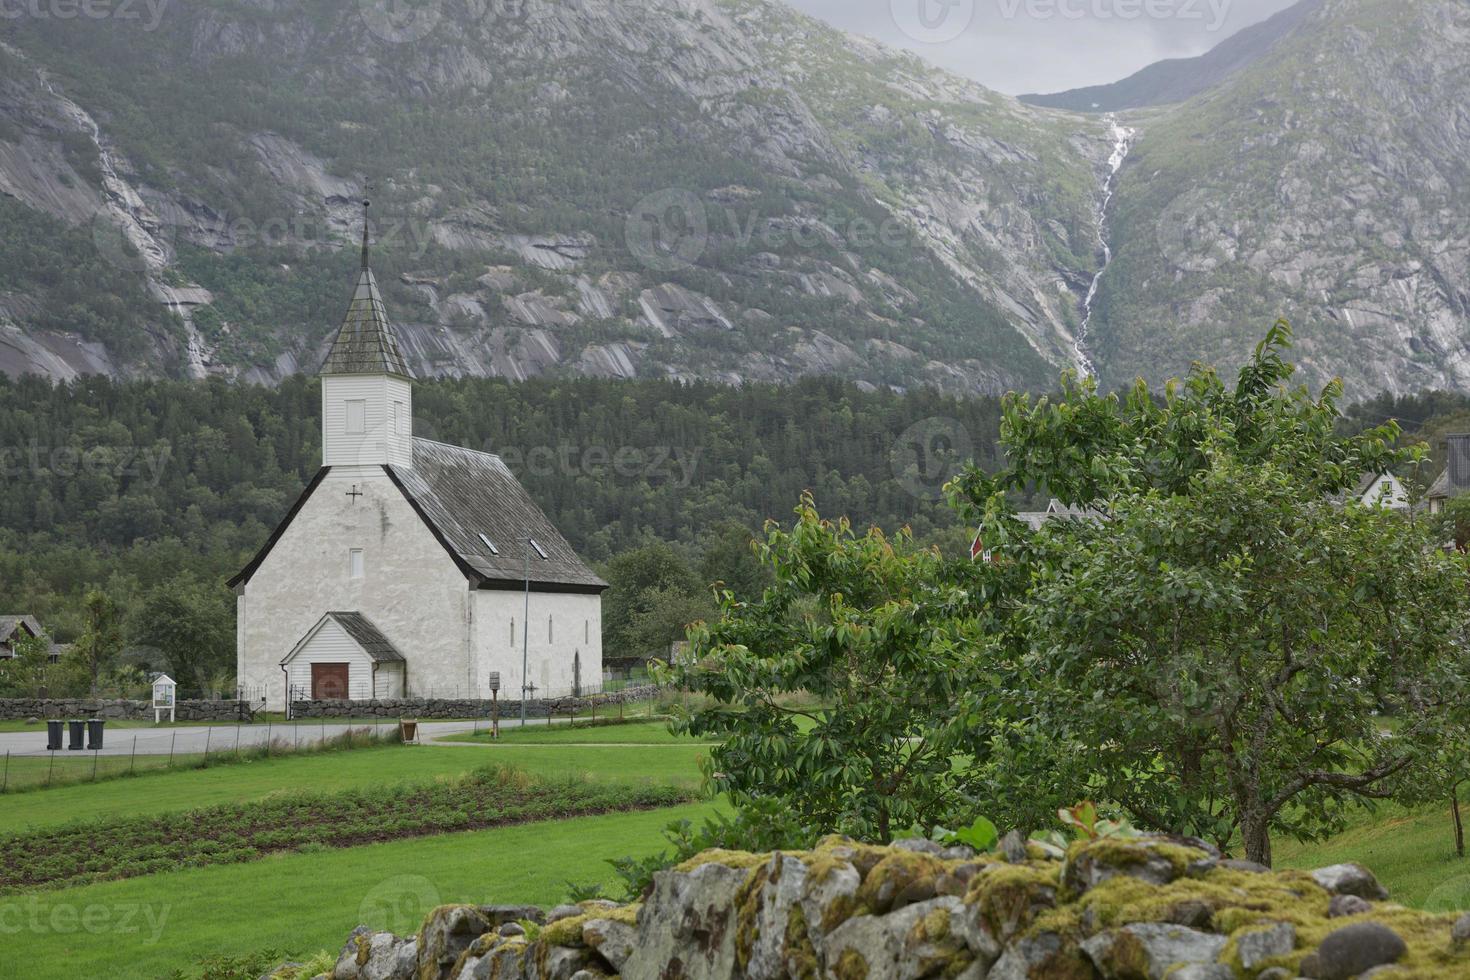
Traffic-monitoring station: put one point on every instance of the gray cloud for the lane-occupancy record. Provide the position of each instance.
(1045, 45)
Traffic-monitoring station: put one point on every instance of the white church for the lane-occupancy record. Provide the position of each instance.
(402, 570)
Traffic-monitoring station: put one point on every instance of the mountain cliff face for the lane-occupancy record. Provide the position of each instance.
(1330, 184)
(674, 187)
(722, 189)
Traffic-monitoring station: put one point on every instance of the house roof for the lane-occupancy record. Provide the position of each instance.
(363, 633)
(9, 624)
(366, 343)
(483, 516)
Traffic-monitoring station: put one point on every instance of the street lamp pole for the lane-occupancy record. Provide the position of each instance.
(526, 633)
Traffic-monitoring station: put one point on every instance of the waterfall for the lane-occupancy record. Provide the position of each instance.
(1122, 137)
(141, 227)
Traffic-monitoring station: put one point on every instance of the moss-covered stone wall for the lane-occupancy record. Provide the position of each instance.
(1151, 907)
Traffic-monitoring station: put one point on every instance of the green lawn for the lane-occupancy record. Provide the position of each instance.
(632, 733)
(302, 903)
(1411, 852)
(359, 768)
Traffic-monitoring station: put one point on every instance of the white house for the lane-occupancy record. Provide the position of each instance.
(402, 569)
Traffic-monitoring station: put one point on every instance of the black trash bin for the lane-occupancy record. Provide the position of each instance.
(94, 732)
(74, 727)
(53, 734)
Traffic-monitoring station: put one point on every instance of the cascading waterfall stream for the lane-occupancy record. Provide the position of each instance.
(128, 212)
(1122, 137)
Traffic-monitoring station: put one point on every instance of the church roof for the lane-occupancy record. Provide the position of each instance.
(366, 344)
(367, 636)
(488, 522)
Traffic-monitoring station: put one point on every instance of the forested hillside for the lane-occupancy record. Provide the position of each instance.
(130, 486)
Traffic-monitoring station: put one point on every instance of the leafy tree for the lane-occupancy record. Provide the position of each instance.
(189, 623)
(731, 561)
(843, 691)
(101, 642)
(644, 585)
(1223, 638)
(24, 675)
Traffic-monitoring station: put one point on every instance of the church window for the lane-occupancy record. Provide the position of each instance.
(356, 416)
(548, 629)
(512, 631)
(586, 631)
(400, 425)
(355, 563)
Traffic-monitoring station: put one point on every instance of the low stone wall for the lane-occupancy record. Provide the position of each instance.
(428, 708)
(17, 709)
(1110, 909)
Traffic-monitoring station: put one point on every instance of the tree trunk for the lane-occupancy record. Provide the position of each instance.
(1459, 825)
(1255, 831)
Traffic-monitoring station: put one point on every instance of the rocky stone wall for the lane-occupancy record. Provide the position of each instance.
(16, 709)
(424, 708)
(1113, 909)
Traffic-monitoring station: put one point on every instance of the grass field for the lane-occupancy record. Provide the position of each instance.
(360, 768)
(302, 903)
(1411, 852)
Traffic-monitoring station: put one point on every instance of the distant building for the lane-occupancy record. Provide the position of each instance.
(15, 628)
(1378, 490)
(1455, 479)
(1055, 511)
(402, 568)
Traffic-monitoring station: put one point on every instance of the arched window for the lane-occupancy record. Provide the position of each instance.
(548, 629)
(512, 631)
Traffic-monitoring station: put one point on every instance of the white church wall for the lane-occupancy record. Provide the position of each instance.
(410, 587)
(575, 632)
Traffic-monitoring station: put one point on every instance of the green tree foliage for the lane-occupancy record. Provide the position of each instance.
(1222, 640)
(653, 596)
(102, 642)
(191, 625)
(844, 690)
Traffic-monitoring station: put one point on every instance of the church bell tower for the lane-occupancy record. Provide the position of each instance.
(367, 387)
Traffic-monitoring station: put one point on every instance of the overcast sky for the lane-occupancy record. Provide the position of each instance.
(1021, 46)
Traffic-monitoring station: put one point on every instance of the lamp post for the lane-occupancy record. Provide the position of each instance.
(526, 633)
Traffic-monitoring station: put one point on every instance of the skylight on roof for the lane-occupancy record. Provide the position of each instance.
(540, 550)
(489, 544)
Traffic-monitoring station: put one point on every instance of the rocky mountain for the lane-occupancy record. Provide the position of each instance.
(1179, 79)
(724, 189)
(1329, 184)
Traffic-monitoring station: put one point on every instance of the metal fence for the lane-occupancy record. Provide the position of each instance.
(125, 751)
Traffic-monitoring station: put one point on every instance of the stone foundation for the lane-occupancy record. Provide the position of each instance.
(1112, 909)
(429, 708)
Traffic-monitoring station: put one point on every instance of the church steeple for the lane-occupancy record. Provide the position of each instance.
(366, 343)
(367, 391)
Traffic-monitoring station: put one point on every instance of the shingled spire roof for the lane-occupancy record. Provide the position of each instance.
(366, 343)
